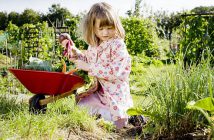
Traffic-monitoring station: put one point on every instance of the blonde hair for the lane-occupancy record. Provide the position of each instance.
(105, 13)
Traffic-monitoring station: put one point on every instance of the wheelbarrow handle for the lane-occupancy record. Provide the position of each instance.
(54, 98)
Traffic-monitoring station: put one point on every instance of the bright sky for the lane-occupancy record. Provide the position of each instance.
(76, 6)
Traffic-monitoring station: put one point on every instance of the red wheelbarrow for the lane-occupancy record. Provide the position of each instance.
(56, 85)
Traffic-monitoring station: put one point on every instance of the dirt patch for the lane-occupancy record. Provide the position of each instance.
(128, 133)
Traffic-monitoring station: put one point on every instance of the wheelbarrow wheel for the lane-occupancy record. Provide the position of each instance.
(35, 107)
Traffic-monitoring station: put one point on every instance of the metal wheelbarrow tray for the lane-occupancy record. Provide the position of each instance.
(55, 84)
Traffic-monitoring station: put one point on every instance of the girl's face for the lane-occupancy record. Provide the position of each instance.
(104, 32)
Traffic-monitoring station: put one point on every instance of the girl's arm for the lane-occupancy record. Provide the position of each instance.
(70, 50)
(119, 66)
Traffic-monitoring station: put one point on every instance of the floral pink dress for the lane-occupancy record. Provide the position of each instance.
(110, 63)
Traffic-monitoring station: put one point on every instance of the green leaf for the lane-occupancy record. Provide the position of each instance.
(206, 104)
(134, 111)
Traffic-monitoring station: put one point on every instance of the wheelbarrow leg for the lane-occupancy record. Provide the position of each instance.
(34, 105)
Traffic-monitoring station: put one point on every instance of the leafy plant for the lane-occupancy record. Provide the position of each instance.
(205, 106)
(140, 36)
(197, 37)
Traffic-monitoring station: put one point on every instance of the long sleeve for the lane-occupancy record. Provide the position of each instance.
(80, 55)
(117, 65)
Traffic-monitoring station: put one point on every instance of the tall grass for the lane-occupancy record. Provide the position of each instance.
(169, 92)
(172, 93)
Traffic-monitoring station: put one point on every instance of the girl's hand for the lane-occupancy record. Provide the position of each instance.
(96, 85)
(70, 50)
(82, 65)
(64, 43)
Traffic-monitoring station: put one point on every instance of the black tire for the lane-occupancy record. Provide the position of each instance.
(35, 107)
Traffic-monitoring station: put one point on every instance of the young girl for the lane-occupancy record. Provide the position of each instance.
(108, 61)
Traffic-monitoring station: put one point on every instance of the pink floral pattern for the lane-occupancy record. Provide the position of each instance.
(110, 63)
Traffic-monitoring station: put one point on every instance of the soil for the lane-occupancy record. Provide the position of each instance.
(128, 133)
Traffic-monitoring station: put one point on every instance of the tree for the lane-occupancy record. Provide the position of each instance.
(136, 12)
(3, 20)
(203, 9)
(57, 13)
(29, 16)
(14, 17)
(166, 23)
(137, 8)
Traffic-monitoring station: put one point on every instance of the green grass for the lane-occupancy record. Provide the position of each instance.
(143, 77)
(167, 90)
(63, 115)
